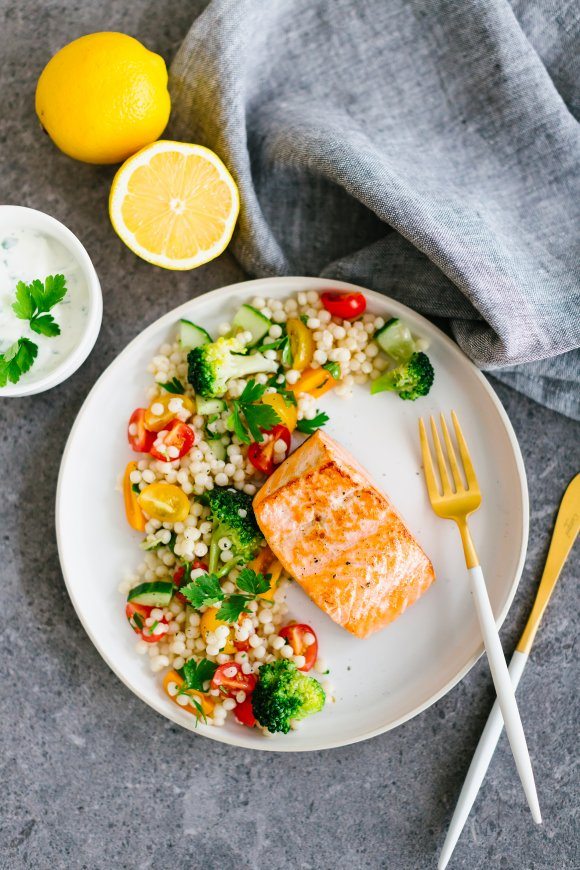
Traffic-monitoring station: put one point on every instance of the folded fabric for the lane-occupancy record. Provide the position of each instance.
(424, 148)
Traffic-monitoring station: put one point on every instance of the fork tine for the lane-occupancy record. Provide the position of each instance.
(440, 459)
(470, 474)
(452, 457)
(432, 487)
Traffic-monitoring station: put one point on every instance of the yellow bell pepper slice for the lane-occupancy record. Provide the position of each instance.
(134, 513)
(266, 563)
(316, 382)
(206, 701)
(288, 413)
(209, 622)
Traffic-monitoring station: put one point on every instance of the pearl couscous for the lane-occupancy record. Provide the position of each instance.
(208, 599)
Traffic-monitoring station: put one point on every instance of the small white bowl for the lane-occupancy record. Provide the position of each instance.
(19, 217)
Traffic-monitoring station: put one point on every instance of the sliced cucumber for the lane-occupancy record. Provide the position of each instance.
(191, 335)
(155, 594)
(396, 340)
(209, 406)
(218, 448)
(252, 320)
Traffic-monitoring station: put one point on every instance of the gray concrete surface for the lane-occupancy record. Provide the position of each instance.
(91, 777)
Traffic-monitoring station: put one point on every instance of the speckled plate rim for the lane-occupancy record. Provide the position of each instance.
(398, 309)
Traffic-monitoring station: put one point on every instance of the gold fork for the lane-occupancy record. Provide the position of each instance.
(456, 502)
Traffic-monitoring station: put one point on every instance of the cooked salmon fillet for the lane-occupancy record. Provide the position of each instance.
(341, 538)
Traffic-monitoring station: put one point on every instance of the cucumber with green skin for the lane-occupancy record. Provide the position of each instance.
(251, 320)
(218, 448)
(209, 406)
(191, 335)
(155, 594)
(395, 339)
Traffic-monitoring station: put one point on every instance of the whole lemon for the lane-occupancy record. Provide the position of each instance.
(103, 97)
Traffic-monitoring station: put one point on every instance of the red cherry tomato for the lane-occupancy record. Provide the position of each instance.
(231, 677)
(242, 645)
(137, 614)
(140, 439)
(294, 635)
(244, 713)
(181, 577)
(262, 454)
(177, 435)
(347, 306)
(148, 633)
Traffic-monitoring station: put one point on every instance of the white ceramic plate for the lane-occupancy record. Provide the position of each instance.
(384, 680)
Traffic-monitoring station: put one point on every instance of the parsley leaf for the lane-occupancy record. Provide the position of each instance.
(260, 417)
(174, 386)
(195, 674)
(204, 591)
(33, 299)
(249, 417)
(252, 392)
(25, 304)
(233, 607)
(55, 290)
(17, 360)
(252, 583)
(334, 369)
(310, 426)
(45, 325)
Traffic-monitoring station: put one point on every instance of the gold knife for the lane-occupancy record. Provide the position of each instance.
(564, 535)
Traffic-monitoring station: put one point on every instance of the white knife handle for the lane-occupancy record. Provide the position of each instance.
(504, 690)
(479, 765)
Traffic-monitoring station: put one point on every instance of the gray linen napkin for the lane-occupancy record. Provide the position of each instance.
(425, 148)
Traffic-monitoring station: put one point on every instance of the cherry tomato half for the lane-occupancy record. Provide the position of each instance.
(231, 677)
(173, 442)
(165, 502)
(140, 439)
(149, 633)
(244, 713)
(263, 456)
(165, 408)
(137, 614)
(133, 510)
(301, 343)
(295, 635)
(344, 305)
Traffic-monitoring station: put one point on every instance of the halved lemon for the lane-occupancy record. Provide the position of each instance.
(174, 204)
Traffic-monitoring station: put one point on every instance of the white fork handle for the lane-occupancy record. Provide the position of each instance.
(504, 690)
(478, 767)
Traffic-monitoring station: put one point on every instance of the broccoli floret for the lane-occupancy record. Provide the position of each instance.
(212, 365)
(410, 379)
(234, 518)
(284, 693)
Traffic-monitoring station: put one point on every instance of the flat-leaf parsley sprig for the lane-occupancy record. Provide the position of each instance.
(248, 419)
(308, 427)
(205, 591)
(17, 360)
(35, 299)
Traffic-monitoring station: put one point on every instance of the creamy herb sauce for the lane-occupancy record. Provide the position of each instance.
(27, 254)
